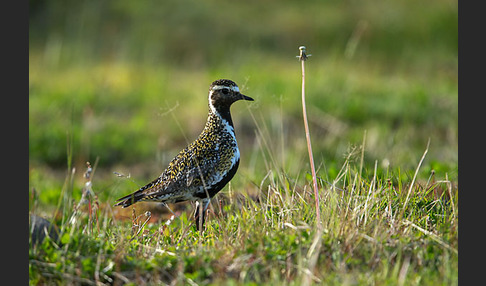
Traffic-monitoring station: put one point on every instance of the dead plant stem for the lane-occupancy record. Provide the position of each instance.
(302, 58)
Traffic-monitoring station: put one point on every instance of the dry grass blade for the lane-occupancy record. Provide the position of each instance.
(431, 235)
(415, 177)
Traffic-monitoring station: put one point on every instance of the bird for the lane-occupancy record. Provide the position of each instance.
(205, 166)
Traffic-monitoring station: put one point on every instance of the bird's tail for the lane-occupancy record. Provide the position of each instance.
(129, 199)
(139, 195)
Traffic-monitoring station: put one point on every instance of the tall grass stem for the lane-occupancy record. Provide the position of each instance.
(303, 57)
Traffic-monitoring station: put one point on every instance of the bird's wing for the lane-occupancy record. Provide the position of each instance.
(189, 172)
(169, 186)
(203, 162)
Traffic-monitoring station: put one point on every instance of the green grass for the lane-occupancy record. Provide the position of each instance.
(123, 85)
(266, 234)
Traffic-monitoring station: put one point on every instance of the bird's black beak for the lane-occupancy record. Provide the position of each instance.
(244, 97)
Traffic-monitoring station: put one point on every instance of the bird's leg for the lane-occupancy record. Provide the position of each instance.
(167, 206)
(200, 214)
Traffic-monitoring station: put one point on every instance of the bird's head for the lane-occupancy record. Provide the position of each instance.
(222, 93)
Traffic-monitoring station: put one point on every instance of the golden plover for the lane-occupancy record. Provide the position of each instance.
(204, 167)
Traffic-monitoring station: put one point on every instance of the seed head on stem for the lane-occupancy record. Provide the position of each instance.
(303, 55)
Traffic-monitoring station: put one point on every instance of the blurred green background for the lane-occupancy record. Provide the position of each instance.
(126, 82)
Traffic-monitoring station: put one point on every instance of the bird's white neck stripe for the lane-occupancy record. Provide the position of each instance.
(211, 106)
(226, 124)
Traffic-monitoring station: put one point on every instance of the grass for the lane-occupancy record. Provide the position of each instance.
(375, 229)
(123, 84)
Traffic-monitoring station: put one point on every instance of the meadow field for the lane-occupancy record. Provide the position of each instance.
(123, 85)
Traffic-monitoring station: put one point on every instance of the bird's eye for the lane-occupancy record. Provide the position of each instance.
(225, 91)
